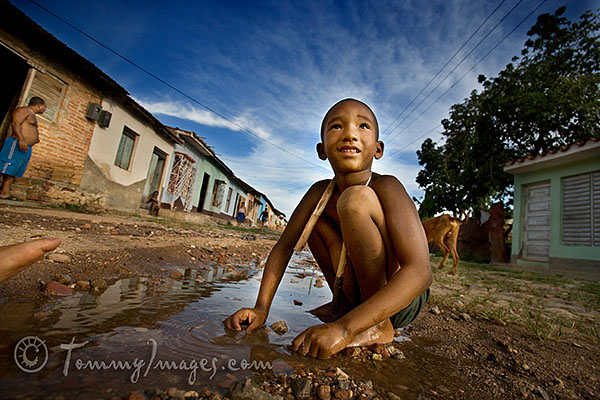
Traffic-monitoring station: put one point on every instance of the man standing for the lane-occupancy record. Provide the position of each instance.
(16, 152)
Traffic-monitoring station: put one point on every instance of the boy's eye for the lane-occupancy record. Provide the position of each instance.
(336, 126)
(364, 126)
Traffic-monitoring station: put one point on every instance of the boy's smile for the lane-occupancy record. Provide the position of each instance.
(349, 135)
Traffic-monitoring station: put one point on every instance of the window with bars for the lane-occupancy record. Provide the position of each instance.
(218, 193)
(581, 210)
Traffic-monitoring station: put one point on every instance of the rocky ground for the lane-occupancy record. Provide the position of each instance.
(487, 333)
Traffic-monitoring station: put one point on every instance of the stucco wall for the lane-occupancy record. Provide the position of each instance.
(558, 251)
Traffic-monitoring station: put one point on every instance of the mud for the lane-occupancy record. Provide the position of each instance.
(447, 356)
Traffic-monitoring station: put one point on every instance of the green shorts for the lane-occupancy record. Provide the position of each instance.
(408, 315)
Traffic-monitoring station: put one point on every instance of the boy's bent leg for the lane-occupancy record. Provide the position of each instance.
(366, 239)
(370, 251)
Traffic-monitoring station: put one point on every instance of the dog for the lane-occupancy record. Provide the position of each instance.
(443, 231)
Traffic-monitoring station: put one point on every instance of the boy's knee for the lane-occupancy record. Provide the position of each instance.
(356, 199)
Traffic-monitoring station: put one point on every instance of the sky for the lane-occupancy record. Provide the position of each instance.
(255, 78)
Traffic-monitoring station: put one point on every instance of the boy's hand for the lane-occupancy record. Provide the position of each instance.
(252, 316)
(322, 341)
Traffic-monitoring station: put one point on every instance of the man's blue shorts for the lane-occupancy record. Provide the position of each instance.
(13, 161)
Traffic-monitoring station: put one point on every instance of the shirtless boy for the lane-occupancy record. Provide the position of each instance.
(16, 152)
(387, 274)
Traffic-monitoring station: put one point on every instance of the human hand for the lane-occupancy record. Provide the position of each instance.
(16, 257)
(23, 146)
(252, 316)
(322, 341)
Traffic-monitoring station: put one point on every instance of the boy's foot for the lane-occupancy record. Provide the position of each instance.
(10, 197)
(16, 257)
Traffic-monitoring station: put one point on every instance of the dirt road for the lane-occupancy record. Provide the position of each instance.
(495, 333)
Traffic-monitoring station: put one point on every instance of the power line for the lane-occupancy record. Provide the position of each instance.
(454, 69)
(264, 166)
(444, 66)
(419, 137)
(472, 68)
(189, 97)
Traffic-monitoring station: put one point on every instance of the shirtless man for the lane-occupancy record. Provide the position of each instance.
(16, 152)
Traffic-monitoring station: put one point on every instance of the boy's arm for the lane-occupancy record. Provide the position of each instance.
(277, 262)
(410, 247)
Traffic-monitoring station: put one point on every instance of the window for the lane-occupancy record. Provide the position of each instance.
(228, 199)
(581, 210)
(218, 192)
(183, 176)
(125, 149)
(48, 88)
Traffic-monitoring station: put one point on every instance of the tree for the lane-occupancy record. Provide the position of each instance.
(547, 98)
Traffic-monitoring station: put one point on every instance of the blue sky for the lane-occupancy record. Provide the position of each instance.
(275, 67)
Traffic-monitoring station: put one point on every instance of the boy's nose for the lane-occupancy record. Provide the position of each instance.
(350, 134)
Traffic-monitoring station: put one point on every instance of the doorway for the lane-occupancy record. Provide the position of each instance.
(536, 227)
(203, 190)
(13, 79)
(157, 164)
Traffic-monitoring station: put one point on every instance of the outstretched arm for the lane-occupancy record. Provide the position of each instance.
(277, 262)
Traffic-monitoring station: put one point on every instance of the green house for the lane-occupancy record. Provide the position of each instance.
(557, 209)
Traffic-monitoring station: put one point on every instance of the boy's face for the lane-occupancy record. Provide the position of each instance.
(349, 136)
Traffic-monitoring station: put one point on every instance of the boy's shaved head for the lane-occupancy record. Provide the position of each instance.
(344, 101)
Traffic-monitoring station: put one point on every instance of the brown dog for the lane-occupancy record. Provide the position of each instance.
(443, 231)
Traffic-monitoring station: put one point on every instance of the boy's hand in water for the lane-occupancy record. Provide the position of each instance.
(322, 341)
(251, 316)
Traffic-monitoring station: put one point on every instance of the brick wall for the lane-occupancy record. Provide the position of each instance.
(64, 144)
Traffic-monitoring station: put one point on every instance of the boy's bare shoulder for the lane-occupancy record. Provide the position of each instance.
(386, 182)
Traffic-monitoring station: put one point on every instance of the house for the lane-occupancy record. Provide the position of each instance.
(128, 155)
(557, 208)
(97, 147)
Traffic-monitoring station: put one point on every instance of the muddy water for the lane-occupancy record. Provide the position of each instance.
(140, 333)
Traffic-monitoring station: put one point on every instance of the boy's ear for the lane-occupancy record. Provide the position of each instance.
(321, 151)
(379, 150)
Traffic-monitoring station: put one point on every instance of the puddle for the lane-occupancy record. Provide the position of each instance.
(141, 334)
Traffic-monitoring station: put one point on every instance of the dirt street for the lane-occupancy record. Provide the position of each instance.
(498, 333)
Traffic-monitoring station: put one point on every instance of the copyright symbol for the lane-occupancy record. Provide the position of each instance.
(31, 354)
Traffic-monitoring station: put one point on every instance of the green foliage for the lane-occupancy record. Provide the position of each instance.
(547, 98)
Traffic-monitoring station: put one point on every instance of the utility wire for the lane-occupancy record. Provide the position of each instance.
(265, 166)
(444, 66)
(466, 73)
(419, 137)
(453, 69)
(189, 97)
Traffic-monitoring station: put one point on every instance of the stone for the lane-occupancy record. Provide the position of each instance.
(83, 285)
(435, 310)
(297, 302)
(248, 389)
(172, 392)
(342, 394)
(57, 289)
(319, 283)
(280, 327)
(86, 226)
(392, 396)
(302, 388)
(99, 284)
(59, 258)
(499, 322)
(538, 391)
(324, 392)
(191, 395)
(466, 317)
(377, 357)
(136, 396)
(176, 275)
(63, 279)
(341, 375)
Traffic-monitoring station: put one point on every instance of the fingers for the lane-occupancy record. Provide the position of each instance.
(49, 244)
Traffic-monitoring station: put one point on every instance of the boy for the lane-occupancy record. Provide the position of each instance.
(387, 273)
